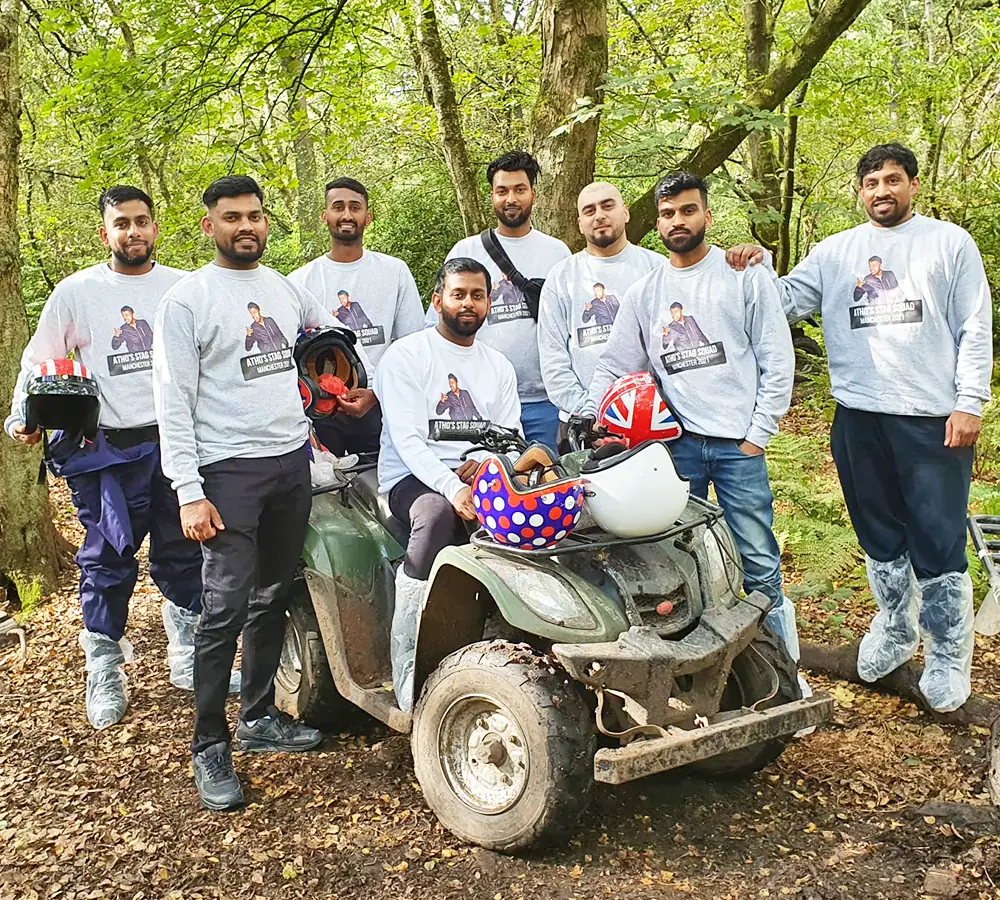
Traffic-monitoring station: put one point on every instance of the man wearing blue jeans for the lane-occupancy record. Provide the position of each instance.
(511, 327)
(729, 392)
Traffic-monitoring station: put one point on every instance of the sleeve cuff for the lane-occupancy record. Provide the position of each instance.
(971, 405)
(452, 488)
(10, 424)
(191, 492)
(758, 436)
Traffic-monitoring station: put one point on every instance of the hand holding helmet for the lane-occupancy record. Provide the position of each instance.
(27, 437)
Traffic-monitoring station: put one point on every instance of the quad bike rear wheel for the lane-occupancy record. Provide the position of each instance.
(503, 747)
(764, 667)
(303, 685)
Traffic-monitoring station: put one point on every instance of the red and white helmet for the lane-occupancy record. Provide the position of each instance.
(60, 394)
(634, 409)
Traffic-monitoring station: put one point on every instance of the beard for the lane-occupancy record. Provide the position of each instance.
(606, 240)
(891, 215)
(461, 327)
(230, 252)
(513, 218)
(347, 237)
(136, 259)
(684, 243)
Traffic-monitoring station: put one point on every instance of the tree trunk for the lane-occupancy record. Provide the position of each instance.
(574, 64)
(832, 20)
(29, 543)
(435, 70)
(788, 181)
(308, 197)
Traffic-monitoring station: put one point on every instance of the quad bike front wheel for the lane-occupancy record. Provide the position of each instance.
(762, 669)
(303, 685)
(503, 747)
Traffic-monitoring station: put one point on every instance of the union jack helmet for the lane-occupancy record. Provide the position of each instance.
(634, 410)
(61, 394)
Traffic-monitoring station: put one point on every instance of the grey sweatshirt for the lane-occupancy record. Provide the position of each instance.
(907, 317)
(717, 341)
(580, 300)
(509, 327)
(104, 319)
(224, 381)
(376, 297)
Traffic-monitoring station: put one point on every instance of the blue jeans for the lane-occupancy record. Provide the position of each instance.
(540, 421)
(744, 493)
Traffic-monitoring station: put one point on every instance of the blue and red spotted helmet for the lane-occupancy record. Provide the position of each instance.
(530, 504)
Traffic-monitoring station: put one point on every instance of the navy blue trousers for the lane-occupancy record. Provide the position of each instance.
(905, 491)
(113, 535)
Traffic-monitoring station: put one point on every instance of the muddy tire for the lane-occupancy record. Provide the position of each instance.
(303, 685)
(749, 680)
(503, 747)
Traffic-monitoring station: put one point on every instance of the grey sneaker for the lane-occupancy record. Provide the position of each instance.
(216, 780)
(276, 733)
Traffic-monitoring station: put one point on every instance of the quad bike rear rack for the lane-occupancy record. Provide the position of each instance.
(592, 539)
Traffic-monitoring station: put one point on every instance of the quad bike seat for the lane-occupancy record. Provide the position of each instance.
(365, 489)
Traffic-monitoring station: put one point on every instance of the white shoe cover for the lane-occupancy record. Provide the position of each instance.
(180, 625)
(893, 636)
(409, 604)
(781, 620)
(946, 622)
(107, 686)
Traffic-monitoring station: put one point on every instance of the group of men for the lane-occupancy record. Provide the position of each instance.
(204, 442)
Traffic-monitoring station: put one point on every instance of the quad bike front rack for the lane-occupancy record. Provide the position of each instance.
(591, 539)
(985, 534)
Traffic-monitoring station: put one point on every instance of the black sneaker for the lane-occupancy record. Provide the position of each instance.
(276, 733)
(216, 780)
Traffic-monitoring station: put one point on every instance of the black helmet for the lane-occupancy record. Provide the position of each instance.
(62, 395)
(329, 365)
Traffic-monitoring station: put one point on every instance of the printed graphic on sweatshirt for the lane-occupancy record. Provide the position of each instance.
(457, 402)
(879, 300)
(685, 345)
(601, 311)
(274, 354)
(132, 342)
(351, 315)
(507, 303)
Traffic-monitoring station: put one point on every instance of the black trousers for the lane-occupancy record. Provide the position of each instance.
(247, 571)
(343, 434)
(434, 524)
(905, 491)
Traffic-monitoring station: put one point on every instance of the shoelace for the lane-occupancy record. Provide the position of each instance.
(217, 768)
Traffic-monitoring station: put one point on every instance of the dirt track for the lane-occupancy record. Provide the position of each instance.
(114, 814)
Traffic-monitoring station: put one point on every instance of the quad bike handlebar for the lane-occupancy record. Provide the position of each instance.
(485, 434)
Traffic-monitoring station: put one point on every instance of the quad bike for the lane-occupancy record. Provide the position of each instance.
(538, 672)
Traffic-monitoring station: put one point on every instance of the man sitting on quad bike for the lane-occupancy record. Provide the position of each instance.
(729, 394)
(427, 483)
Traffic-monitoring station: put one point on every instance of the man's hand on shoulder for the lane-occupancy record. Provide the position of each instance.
(962, 429)
(22, 435)
(463, 504)
(357, 402)
(200, 521)
(743, 255)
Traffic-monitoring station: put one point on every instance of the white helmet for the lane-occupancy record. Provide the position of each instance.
(634, 493)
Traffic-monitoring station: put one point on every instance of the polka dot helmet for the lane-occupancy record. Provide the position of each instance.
(531, 504)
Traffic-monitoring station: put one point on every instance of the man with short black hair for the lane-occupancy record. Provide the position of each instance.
(580, 299)
(510, 326)
(235, 446)
(910, 373)
(116, 485)
(371, 293)
(426, 479)
(728, 378)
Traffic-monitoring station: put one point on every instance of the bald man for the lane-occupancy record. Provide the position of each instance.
(581, 298)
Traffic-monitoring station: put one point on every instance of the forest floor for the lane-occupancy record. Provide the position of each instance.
(861, 809)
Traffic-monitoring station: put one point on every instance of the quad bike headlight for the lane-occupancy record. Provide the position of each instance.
(547, 596)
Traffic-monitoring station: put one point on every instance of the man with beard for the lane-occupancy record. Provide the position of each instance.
(371, 293)
(117, 487)
(910, 380)
(511, 328)
(683, 332)
(235, 447)
(729, 395)
(458, 402)
(134, 333)
(264, 334)
(568, 344)
(878, 286)
(426, 480)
